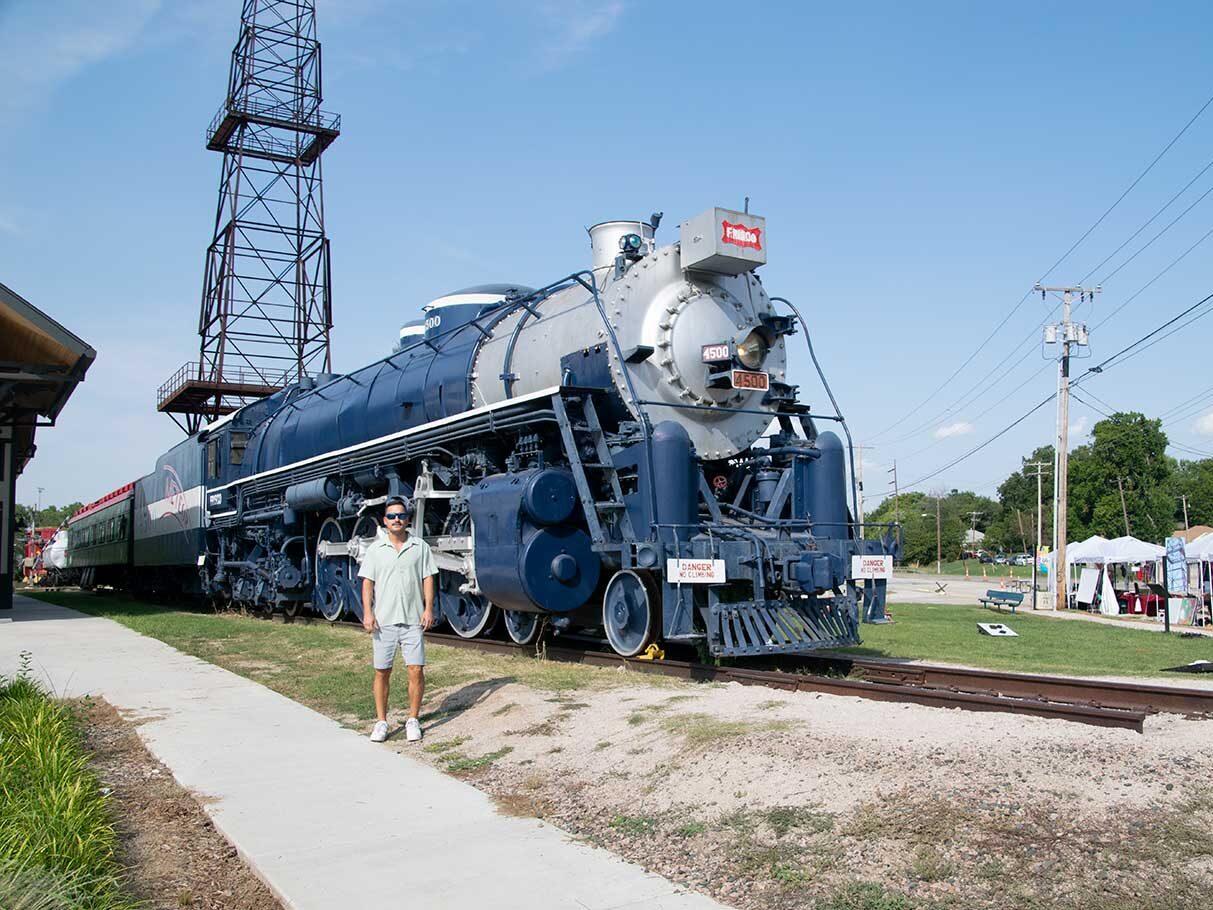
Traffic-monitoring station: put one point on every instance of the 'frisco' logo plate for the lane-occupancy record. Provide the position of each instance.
(740, 235)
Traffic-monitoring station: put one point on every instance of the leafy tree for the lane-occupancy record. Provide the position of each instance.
(1195, 480)
(1127, 451)
(48, 517)
(916, 512)
(1014, 527)
(959, 505)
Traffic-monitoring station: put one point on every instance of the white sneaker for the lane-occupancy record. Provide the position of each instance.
(379, 734)
(412, 729)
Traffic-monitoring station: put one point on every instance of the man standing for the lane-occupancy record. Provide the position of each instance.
(397, 573)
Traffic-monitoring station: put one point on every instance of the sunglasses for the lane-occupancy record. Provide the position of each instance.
(395, 516)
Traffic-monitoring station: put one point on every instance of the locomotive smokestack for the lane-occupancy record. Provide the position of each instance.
(606, 240)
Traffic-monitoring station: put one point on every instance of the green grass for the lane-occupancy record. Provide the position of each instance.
(445, 745)
(957, 567)
(633, 825)
(463, 763)
(328, 667)
(703, 730)
(58, 848)
(948, 633)
(865, 896)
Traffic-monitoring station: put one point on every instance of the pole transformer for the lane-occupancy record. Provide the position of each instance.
(266, 301)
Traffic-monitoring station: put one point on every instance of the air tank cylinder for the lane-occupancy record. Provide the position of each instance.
(766, 482)
(826, 488)
(676, 479)
(313, 495)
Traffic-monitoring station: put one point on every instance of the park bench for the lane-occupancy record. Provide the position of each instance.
(1000, 598)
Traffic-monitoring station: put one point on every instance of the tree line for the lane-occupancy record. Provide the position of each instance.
(1121, 482)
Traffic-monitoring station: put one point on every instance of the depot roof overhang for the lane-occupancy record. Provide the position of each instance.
(41, 363)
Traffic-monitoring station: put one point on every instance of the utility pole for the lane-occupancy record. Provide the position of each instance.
(1123, 511)
(38, 513)
(896, 502)
(1068, 333)
(859, 480)
(1057, 573)
(1187, 528)
(973, 516)
(938, 545)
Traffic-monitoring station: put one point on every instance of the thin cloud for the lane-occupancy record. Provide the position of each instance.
(960, 428)
(1078, 427)
(42, 46)
(573, 25)
(1204, 425)
(7, 225)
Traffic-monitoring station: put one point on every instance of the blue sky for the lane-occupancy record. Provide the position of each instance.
(919, 166)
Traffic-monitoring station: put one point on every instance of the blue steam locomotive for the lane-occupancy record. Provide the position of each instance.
(617, 452)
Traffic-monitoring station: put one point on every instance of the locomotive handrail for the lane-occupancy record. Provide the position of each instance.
(710, 407)
(497, 314)
(837, 410)
(635, 401)
(646, 428)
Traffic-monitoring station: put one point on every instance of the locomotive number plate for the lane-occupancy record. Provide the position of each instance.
(745, 379)
(714, 353)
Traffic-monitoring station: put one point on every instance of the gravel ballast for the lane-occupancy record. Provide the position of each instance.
(773, 799)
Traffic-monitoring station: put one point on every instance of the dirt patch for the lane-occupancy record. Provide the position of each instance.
(174, 856)
(778, 800)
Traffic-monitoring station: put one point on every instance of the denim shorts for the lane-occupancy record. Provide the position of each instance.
(398, 637)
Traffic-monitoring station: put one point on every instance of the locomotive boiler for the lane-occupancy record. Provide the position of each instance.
(617, 452)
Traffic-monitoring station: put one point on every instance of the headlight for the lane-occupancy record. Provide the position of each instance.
(753, 350)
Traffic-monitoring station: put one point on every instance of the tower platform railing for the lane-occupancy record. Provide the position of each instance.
(188, 389)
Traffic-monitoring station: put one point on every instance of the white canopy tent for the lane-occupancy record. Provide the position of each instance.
(1079, 552)
(1200, 553)
(1201, 549)
(1130, 549)
(1099, 551)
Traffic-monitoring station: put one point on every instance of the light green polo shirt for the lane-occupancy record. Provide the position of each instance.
(397, 577)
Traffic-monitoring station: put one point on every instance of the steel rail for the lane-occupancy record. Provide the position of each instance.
(1098, 715)
(1134, 696)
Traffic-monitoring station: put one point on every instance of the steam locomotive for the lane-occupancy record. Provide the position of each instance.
(619, 452)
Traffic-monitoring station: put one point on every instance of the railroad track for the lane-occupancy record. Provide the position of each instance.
(1126, 696)
(1102, 704)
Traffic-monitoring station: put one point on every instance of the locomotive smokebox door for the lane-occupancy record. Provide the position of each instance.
(724, 242)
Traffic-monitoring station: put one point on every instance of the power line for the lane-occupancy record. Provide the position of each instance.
(1049, 271)
(1098, 368)
(1189, 449)
(1176, 261)
(973, 451)
(978, 389)
(1187, 408)
(1147, 223)
(986, 411)
(1110, 361)
(970, 397)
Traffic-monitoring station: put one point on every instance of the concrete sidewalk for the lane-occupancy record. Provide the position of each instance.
(327, 818)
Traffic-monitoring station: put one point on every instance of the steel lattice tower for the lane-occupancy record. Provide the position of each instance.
(266, 304)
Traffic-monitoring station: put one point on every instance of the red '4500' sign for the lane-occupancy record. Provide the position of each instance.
(745, 379)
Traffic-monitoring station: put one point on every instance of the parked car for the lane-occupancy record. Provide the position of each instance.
(984, 556)
(1000, 559)
(1022, 559)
